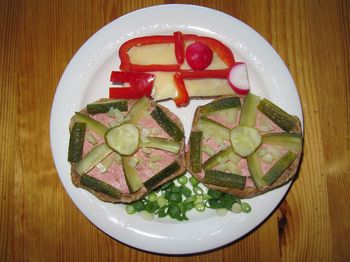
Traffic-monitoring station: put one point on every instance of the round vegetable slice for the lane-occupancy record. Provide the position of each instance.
(245, 140)
(198, 55)
(238, 78)
(124, 139)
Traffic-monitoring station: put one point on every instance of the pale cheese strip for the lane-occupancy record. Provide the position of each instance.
(164, 54)
(208, 87)
(158, 54)
(164, 87)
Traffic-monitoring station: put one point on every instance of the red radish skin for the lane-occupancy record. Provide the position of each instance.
(199, 56)
(238, 78)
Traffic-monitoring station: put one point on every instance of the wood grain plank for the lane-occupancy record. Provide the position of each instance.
(303, 233)
(335, 113)
(8, 131)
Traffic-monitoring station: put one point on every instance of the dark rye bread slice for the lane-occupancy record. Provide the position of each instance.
(247, 192)
(130, 197)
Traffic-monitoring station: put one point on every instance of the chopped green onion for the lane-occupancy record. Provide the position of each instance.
(189, 205)
(215, 203)
(227, 201)
(168, 186)
(236, 208)
(174, 211)
(130, 209)
(198, 191)
(175, 189)
(175, 200)
(199, 206)
(190, 199)
(162, 201)
(206, 197)
(182, 180)
(245, 207)
(214, 194)
(173, 196)
(186, 191)
(152, 197)
(199, 199)
(162, 212)
(138, 205)
(193, 181)
(151, 207)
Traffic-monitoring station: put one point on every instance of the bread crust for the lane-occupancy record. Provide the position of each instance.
(287, 176)
(130, 197)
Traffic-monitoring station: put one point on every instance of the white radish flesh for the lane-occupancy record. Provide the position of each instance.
(238, 78)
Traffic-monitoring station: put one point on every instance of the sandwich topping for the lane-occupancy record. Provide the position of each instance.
(244, 146)
(126, 149)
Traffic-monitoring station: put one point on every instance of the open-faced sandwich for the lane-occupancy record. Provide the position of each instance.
(121, 149)
(244, 146)
(177, 66)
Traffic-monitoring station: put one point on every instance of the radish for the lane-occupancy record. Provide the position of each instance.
(238, 78)
(198, 55)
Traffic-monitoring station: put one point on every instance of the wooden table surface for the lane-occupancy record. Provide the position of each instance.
(38, 220)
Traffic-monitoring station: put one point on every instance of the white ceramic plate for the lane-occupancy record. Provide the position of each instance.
(86, 79)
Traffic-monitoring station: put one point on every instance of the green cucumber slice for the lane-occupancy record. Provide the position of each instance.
(249, 110)
(133, 180)
(95, 156)
(214, 129)
(91, 123)
(277, 115)
(195, 142)
(139, 110)
(213, 160)
(245, 140)
(76, 142)
(222, 104)
(124, 139)
(163, 144)
(289, 141)
(99, 185)
(168, 125)
(224, 179)
(278, 169)
(104, 106)
(161, 175)
(255, 170)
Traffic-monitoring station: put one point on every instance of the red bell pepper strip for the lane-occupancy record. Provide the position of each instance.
(179, 47)
(223, 51)
(141, 85)
(216, 73)
(182, 97)
(126, 65)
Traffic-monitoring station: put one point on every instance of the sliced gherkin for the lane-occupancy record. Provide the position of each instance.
(277, 115)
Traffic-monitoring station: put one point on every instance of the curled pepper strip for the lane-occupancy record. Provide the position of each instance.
(141, 85)
(179, 47)
(223, 51)
(126, 65)
(182, 97)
